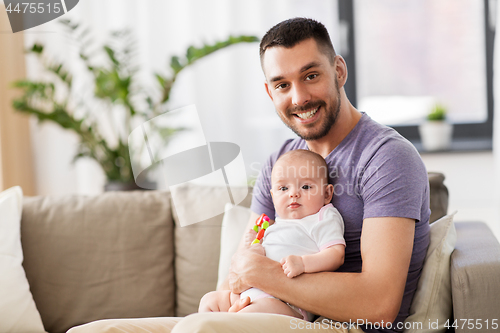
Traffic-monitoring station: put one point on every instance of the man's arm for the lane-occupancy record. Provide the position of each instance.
(375, 294)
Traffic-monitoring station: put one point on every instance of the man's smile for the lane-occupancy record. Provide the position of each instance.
(307, 114)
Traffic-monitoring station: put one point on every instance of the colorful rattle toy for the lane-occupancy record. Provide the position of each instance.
(262, 223)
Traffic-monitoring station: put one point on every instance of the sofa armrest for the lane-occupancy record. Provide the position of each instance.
(475, 269)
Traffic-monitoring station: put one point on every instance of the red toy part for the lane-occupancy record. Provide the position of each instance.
(260, 220)
(260, 235)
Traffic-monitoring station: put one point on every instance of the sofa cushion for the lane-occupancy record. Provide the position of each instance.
(108, 256)
(197, 248)
(475, 269)
(432, 300)
(18, 312)
(233, 227)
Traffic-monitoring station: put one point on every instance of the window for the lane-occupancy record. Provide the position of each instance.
(409, 55)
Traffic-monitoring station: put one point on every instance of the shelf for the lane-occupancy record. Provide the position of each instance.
(459, 145)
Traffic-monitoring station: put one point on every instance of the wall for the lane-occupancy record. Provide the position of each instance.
(470, 178)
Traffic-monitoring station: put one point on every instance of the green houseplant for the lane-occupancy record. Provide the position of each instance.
(115, 86)
(436, 132)
(438, 113)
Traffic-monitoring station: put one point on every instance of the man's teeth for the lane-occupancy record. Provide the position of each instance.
(307, 115)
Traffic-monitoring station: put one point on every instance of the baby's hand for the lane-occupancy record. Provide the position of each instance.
(250, 235)
(292, 266)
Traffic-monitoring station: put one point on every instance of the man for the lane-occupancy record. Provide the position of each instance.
(380, 188)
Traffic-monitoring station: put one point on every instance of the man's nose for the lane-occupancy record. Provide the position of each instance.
(300, 95)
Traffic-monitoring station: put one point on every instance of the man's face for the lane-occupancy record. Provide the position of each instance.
(303, 86)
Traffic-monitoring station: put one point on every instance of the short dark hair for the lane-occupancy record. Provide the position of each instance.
(293, 31)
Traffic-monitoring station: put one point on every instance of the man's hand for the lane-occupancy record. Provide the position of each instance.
(292, 266)
(249, 237)
(243, 264)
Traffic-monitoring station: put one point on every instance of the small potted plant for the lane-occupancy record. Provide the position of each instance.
(436, 132)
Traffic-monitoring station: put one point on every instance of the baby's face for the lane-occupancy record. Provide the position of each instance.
(299, 188)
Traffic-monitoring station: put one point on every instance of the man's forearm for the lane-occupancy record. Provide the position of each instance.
(339, 296)
(327, 260)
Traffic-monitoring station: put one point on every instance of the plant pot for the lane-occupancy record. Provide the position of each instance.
(436, 135)
(128, 186)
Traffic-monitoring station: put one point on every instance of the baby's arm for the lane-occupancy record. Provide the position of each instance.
(329, 259)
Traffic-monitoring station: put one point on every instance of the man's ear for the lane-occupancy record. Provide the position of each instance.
(340, 70)
(267, 90)
(328, 193)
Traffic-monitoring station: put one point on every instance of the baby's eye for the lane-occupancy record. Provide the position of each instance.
(283, 188)
(306, 187)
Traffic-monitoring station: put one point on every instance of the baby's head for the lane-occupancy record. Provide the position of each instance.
(300, 184)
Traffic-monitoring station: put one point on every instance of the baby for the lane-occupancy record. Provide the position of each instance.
(307, 236)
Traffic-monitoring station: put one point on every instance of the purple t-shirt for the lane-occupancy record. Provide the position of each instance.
(375, 173)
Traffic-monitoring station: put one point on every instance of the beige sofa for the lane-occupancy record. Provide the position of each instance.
(124, 255)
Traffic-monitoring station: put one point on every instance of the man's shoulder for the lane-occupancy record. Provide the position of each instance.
(376, 150)
(378, 139)
(372, 131)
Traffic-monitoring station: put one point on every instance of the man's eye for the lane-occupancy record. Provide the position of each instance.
(311, 76)
(281, 86)
(306, 187)
(283, 188)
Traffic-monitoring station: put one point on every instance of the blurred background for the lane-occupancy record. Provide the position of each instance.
(404, 57)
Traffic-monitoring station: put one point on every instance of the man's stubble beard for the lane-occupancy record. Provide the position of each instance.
(331, 117)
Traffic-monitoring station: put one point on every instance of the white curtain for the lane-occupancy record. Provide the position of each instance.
(227, 87)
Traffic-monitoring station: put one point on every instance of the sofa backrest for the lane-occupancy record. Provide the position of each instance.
(438, 195)
(107, 256)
